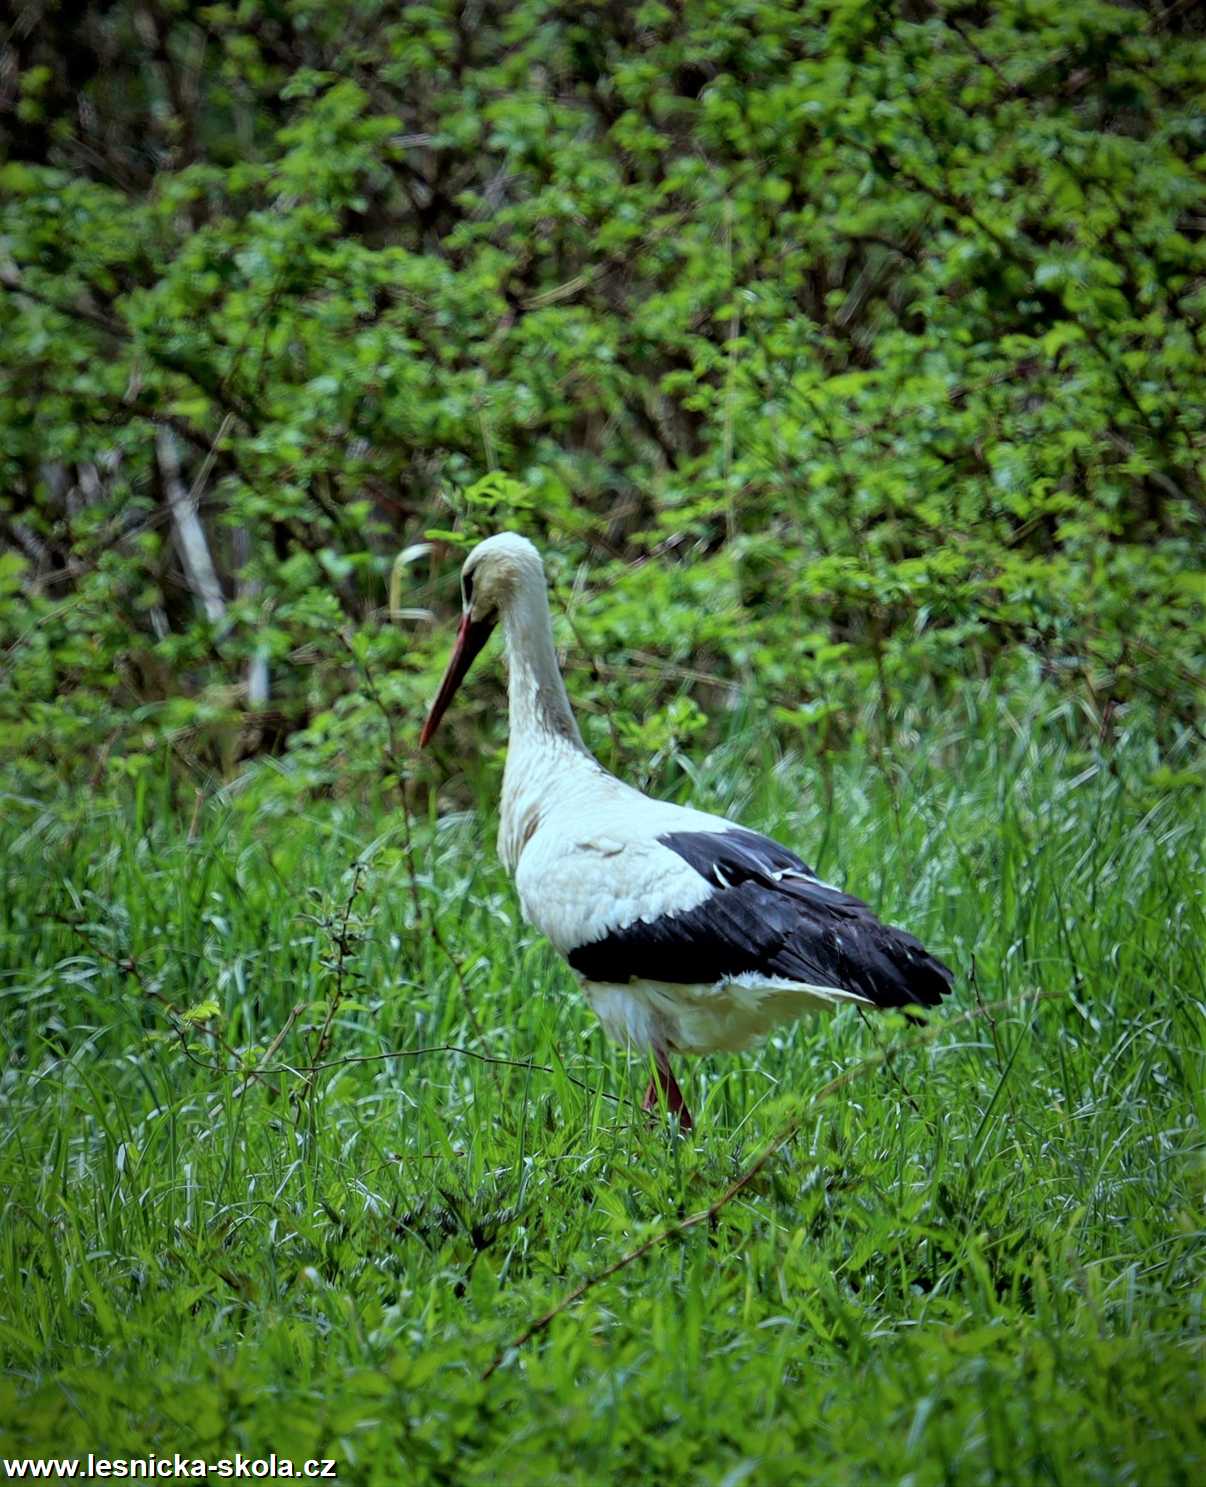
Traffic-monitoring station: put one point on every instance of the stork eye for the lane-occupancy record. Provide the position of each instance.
(467, 588)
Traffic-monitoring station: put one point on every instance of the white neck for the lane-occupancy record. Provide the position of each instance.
(539, 706)
(544, 737)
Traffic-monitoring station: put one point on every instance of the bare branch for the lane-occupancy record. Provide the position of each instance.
(190, 534)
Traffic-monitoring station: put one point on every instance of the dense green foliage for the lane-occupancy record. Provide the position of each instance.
(980, 1265)
(845, 360)
(874, 332)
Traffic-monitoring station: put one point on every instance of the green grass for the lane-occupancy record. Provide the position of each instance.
(979, 1262)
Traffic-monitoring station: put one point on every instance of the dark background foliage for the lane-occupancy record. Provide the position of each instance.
(845, 359)
(848, 347)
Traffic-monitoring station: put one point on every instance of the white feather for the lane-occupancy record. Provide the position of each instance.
(728, 1015)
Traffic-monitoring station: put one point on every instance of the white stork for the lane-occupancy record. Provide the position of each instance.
(688, 932)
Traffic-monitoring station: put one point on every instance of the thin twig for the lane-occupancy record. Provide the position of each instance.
(180, 1024)
(338, 931)
(273, 1048)
(484, 1058)
(343, 953)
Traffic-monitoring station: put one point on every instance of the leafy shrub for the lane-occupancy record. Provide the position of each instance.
(830, 350)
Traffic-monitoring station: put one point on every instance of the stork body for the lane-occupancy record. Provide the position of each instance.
(688, 932)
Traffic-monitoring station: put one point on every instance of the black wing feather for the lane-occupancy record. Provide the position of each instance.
(769, 914)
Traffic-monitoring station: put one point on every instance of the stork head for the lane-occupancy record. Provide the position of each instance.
(493, 574)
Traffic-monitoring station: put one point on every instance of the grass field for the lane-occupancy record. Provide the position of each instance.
(975, 1260)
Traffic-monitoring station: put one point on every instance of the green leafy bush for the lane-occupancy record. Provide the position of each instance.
(831, 351)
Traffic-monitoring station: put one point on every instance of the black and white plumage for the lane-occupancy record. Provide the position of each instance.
(689, 933)
(767, 915)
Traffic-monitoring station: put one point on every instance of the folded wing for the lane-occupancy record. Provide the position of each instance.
(767, 915)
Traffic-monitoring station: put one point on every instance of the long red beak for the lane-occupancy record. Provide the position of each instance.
(470, 638)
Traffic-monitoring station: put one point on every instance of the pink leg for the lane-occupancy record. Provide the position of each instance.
(663, 1085)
